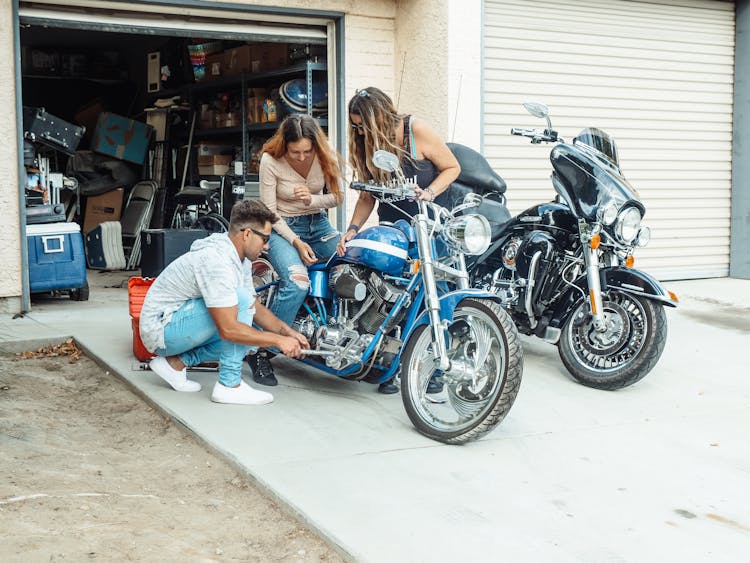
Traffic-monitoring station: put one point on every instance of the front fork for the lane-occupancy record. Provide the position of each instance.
(591, 260)
(432, 302)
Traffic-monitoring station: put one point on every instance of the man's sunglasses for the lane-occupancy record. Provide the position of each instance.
(262, 235)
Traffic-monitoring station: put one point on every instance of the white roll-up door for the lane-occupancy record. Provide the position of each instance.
(657, 75)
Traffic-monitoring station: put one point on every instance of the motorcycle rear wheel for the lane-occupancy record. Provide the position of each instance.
(625, 353)
(483, 335)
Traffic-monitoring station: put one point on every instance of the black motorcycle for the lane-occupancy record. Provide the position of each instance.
(563, 269)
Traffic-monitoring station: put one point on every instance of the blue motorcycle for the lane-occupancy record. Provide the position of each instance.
(399, 304)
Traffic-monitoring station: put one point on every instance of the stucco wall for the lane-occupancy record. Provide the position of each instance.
(421, 29)
(10, 230)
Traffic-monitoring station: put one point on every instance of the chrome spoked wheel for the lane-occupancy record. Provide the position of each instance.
(263, 274)
(624, 352)
(479, 389)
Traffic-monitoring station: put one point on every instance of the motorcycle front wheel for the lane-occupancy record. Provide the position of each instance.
(624, 352)
(481, 337)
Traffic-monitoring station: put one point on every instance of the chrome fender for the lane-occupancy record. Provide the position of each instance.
(626, 280)
(448, 303)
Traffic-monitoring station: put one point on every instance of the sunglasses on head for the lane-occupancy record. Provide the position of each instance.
(262, 235)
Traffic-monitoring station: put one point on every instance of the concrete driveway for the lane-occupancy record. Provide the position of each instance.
(659, 471)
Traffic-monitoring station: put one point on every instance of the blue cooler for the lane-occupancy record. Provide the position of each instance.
(56, 256)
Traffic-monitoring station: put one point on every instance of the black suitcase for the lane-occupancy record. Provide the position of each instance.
(160, 247)
(39, 126)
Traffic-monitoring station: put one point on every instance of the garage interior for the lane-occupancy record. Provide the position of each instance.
(186, 113)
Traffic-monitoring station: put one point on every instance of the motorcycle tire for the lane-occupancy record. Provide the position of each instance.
(211, 222)
(484, 335)
(625, 353)
(263, 273)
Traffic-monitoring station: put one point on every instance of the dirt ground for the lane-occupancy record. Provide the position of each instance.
(89, 471)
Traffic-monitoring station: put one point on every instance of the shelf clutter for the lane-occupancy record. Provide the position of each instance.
(171, 114)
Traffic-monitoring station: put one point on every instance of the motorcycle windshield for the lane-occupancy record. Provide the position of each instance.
(588, 178)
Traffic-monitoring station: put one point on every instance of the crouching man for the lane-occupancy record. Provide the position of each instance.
(202, 307)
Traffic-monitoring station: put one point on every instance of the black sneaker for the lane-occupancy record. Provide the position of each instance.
(260, 365)
(388, 387)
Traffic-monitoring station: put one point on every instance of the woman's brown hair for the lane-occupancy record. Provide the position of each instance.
(300, 126)
(379, 120)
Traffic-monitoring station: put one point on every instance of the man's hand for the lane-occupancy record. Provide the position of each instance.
(290, 346)
(306, 253)
(290, 332)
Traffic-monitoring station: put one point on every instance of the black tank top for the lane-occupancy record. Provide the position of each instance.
(424, 171)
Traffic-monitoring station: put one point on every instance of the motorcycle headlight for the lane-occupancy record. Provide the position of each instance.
(469, 233)
(644, 235)
(628, 224)
(607, 214)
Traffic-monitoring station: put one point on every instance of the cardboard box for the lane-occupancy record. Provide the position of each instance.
(103, 207)
(270, 56)
(215, 66)
(89, 114)
(121, 137)
(214, 148)
(214, 170)
(212, 159)
(237, 60)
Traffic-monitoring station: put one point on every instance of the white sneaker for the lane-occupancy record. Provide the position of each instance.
(242, 395)
(177, 379)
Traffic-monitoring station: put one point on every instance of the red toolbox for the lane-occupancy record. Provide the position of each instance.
(137, 289)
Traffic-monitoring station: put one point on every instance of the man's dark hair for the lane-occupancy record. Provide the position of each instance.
(250, 213)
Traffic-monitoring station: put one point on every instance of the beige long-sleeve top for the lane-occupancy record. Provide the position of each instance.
(277, 182)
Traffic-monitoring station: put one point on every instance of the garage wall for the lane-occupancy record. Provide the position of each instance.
(658, 75)
(369, 48)
(10, 243)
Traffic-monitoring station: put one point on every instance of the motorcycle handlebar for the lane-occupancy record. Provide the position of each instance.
(402, 191)
(536, 135)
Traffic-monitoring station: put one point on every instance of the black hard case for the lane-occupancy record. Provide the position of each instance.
(160, 247)
(42, 127)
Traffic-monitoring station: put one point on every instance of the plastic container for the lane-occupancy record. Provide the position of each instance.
(137, 289)
(56, 257)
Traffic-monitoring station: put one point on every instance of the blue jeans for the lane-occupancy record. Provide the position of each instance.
(294, 283)
(192, 335)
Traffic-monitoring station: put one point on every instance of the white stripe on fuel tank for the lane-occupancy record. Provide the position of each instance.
(379, 246)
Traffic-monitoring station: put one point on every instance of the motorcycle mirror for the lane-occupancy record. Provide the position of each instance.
(385, 161)
(537, 109)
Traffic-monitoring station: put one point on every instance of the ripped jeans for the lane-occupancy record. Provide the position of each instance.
(293, 279)
(192, 335)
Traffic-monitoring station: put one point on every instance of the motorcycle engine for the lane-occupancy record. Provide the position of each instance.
(364, 300)
(384, 295)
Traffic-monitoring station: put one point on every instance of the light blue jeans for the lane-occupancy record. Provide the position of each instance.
(192, 335)
(315, 230)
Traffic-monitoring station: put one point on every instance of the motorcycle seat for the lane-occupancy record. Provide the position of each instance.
(476, 171)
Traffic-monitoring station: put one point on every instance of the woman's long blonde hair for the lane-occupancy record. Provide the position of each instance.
(300, 126)
(379, 119)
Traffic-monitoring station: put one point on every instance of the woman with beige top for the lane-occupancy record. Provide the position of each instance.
(300, 177)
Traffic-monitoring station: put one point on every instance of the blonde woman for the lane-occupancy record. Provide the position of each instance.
(375, 124)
